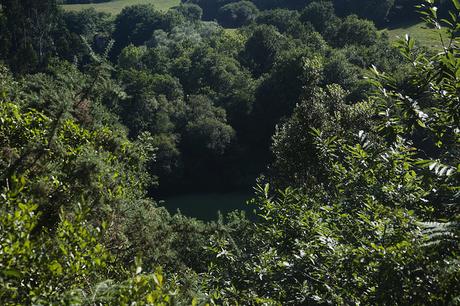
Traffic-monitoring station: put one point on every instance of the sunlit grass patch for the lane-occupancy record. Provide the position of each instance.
(114, 7)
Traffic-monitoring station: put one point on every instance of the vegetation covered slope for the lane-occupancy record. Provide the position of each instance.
(358, 169)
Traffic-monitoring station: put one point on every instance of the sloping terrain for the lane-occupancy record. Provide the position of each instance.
(423, 35)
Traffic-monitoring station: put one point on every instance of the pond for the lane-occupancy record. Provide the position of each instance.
(205, 206)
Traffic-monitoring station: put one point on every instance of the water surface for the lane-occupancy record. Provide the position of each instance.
(205, 206)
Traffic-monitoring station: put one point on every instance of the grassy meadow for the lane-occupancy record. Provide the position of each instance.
(423, 35)
(114, 7)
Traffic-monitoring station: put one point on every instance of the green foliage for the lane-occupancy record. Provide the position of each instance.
(262, 49)
(418, 111)
(40, 265)
(83, 173)
(189, 10)
(375, 10)
(135, 24)
(31, 28)
(355, 31)
(375, 220)
(195, 60)
(361, 205)
(425, 109)
(70, 160)
(353, 239)
(278, 93)
(321, 16)
(87, 27)
(206, 126)
(286, 21)
(297, 159)
(254, 74)
(143, 289)
(237, 14)
(87, 22)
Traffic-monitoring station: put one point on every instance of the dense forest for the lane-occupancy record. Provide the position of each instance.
(350, 142)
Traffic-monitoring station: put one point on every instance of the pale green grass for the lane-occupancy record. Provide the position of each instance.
(423, 35)
(115, 7)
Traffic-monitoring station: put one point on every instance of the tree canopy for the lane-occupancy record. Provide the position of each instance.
(351, 144)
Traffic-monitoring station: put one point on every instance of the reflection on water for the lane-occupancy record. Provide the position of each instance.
(206, 205)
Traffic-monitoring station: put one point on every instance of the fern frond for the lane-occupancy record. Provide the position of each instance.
(439, 232)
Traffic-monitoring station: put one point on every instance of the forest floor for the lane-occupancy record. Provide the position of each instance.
(423, 35)
(115, 7)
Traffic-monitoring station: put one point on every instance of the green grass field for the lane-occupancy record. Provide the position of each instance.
(114, 7)
(423, 35)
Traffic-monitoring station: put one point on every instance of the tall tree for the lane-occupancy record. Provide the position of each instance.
(135, 25)
(29, 26)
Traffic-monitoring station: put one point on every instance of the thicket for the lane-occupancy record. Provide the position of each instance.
(358, 203)
(382, 12)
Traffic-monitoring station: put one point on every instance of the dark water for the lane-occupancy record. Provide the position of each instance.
(205, 206)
